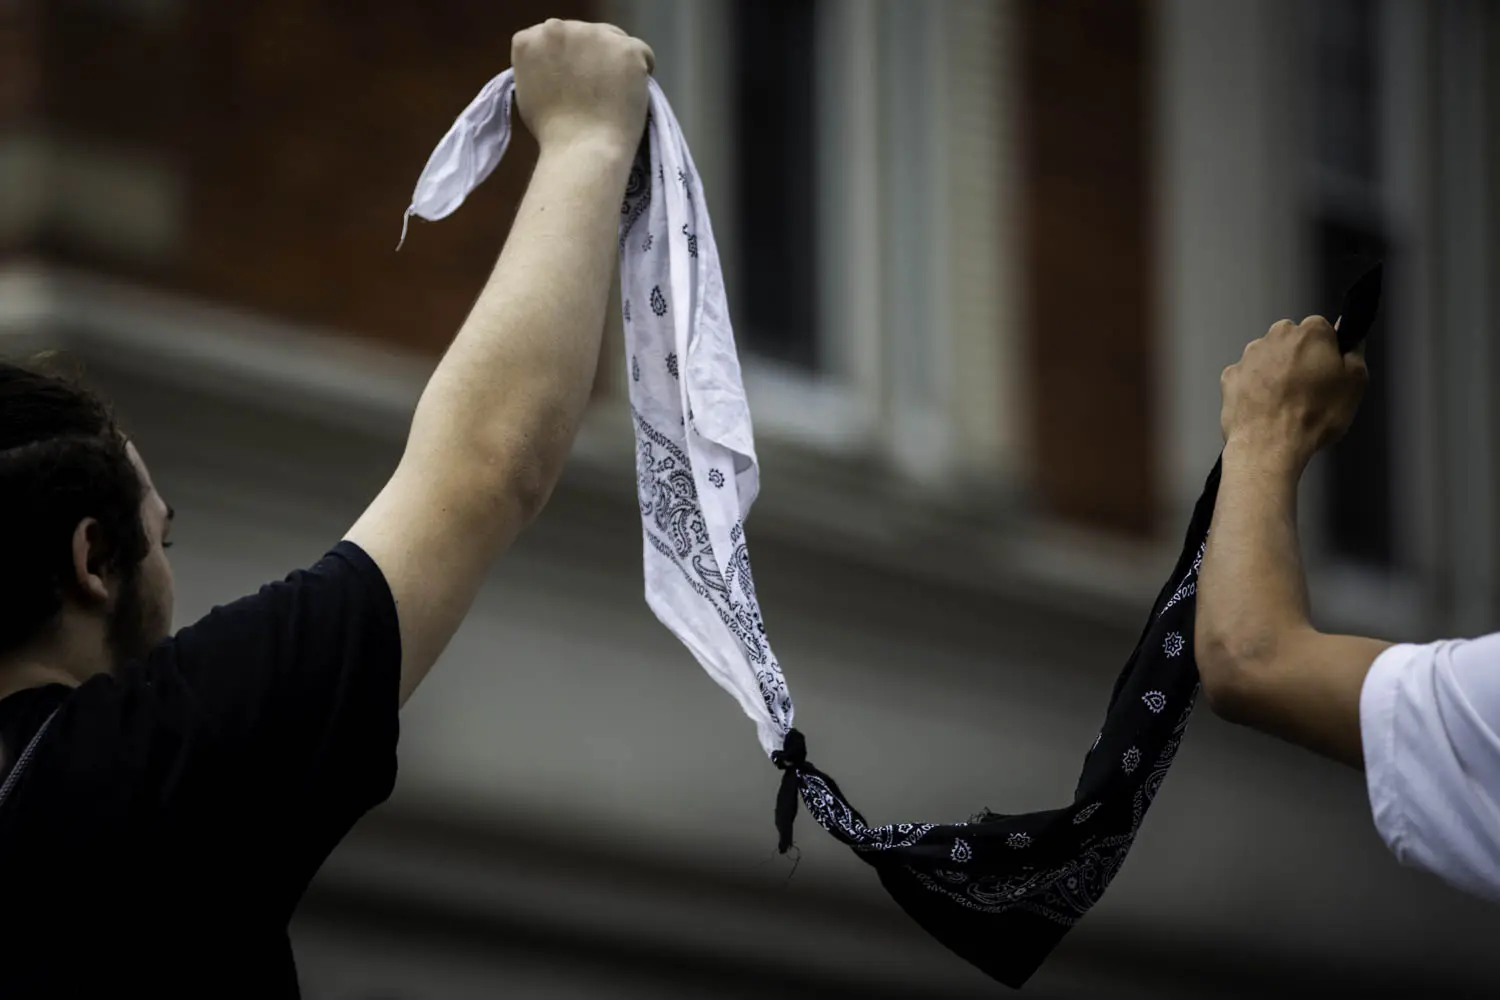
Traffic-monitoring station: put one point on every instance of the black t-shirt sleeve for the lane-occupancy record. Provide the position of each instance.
(303, 678)
(280, 709)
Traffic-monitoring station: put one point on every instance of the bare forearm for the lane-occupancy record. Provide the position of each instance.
(511, 389)
(1262, 663)
(1252, 595)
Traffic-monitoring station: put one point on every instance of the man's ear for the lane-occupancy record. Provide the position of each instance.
(88, 560)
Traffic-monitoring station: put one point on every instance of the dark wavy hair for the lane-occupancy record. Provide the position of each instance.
(63, 458)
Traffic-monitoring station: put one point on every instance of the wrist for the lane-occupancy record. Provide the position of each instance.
(1272, 459)
(604, 147)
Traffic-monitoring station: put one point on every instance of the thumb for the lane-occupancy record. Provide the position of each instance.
(1354, 362)
(1355, 353)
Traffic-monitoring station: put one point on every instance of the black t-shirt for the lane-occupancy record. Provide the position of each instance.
(171, 816)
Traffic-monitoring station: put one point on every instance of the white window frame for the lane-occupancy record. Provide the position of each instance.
(904, 168)
(838, 408)
(1468, 42)
(1401, 601)
(1234, 199)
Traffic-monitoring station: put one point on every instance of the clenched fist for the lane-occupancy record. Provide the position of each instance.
(1292, 393)
(579, 82)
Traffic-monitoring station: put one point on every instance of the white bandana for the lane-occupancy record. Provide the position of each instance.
(696, 468)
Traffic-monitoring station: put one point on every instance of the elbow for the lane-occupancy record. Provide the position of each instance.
(504, 480)
(526, 471)
(1230, 667)
(527, 487)
(499, 472)
(531, 458)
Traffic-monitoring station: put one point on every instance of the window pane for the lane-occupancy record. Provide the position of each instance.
(775, 287)
(1348, 235)
(1345, 36)
(1358, 513)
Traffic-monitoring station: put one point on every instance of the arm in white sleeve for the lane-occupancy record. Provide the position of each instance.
(1430, 725)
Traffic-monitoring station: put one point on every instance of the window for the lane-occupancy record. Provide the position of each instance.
(1347, 231)
(1345, 40)
(1357, 511)
(831, 223)
(773, 106)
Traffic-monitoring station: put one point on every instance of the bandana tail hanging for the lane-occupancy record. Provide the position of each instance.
(1000, 891)
(697, 471)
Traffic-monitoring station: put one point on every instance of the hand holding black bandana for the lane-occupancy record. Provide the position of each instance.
(1001, 891)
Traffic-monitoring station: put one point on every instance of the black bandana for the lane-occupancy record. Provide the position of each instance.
(999, 890)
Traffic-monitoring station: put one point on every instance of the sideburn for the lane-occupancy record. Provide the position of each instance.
(129, 625)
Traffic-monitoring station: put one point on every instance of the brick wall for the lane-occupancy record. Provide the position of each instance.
(290, 133)
(1088, 263)
(260, 152)
(20, 59)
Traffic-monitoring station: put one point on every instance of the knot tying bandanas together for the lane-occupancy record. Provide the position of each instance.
(793, 753)
(792, 759)
(1000, 890)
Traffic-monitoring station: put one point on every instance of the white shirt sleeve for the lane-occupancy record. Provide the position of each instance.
(1430, 719)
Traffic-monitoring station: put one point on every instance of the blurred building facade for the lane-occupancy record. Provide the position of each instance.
(986, 260)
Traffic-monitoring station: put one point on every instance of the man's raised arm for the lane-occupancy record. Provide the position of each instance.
(1262, 662)
(498, 417)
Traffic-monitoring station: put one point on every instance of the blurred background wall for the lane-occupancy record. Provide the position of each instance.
(986, 260)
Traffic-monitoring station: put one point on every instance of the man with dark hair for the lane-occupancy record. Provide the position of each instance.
(165, 801)
(1423, 721)
(72, 485)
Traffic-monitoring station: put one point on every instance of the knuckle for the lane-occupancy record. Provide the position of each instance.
(1318, 326)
